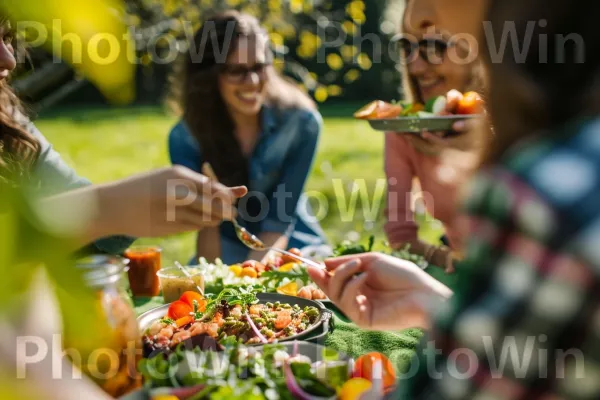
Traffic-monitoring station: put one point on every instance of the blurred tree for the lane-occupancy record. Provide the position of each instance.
(334, 48)
(89, 35)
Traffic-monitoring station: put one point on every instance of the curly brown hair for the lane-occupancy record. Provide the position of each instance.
(18, 148)
(196, 97)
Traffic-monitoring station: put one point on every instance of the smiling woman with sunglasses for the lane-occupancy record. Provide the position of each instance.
(252, 127)
(434, 48)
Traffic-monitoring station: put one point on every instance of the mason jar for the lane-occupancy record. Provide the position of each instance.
(107, 277)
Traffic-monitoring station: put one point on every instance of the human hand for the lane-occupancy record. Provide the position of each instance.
(163, 202)
(388, 294)
(457, 138)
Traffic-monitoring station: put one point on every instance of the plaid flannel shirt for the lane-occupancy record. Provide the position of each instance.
(524, 322)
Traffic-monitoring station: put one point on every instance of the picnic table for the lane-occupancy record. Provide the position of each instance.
(345, 336)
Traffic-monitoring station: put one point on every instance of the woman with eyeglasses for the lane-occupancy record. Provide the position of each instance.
(241, 122)
(529, 284)
(435, 45)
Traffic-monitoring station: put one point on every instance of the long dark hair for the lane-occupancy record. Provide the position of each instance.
(195, 93)
(532, 95)
(18, 148)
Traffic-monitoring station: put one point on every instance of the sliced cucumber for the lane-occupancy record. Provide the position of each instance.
(425, 114)
(436, 105)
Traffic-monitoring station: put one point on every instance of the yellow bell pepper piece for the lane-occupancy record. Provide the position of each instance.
(236, 269)
(287, 267)
(354, 388)
(290, 289)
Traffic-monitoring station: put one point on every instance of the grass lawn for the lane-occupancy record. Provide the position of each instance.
(107, 144)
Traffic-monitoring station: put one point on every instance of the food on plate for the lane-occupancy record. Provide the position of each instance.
(190, 297)
(249, 272)
(234, 313)
(236, 269)
(287, 267)
(174, 283)
(378, 110)
(354, 388)
(348, 247)
(363, 368)
(471, 103)
(290, 289)
(270, 372)
(453, 103)
(305, 293)
(318, 294)
(179, 309)
(275, 276)
(289, 259)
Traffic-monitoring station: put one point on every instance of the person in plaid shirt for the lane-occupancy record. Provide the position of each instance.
(524, 321)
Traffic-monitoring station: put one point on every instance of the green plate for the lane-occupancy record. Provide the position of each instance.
(417, 124)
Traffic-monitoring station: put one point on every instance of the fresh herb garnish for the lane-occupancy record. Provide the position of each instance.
(243, 296)
(167, 321)
(405, 254)
(197, 314)
(347, 247)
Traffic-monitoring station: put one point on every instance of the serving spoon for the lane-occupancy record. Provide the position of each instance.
(254, 243)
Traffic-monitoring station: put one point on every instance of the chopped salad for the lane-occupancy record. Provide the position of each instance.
(281, 275)
(233, 315)
(270, 372)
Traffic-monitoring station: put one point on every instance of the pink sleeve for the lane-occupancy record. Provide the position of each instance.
(400, 226)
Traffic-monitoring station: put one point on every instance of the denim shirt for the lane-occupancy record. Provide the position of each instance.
(55, 177)
(278, 170)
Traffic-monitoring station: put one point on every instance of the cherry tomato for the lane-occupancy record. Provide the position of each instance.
(179, 309)
(363, 368)
(189, 297)
(249, 263)
(287, 259)
(471, 103)
(257, 266)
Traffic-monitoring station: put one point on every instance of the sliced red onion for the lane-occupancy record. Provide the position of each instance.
(255, 329)
(295, 388)
(295, 351)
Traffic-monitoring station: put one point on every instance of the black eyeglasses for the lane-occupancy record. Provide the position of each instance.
(432, 51)
(239, 73)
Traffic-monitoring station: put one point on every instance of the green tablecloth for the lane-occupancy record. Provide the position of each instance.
(399, 347)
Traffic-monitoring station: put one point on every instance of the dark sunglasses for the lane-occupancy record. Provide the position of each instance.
(239, 73)
(432, 51)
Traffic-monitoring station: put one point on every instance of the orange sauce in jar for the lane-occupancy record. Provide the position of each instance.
(144, 263)
(111, 350)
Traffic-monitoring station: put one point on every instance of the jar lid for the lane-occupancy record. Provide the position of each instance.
(100, 270)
